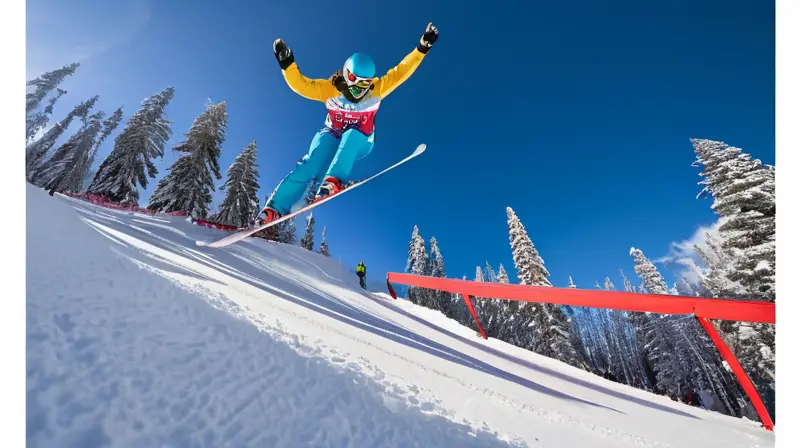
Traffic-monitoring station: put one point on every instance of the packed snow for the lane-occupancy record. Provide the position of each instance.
(137, 337)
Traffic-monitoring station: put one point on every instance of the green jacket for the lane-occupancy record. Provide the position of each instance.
(361, 269)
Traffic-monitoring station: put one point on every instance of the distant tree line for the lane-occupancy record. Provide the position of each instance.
(69, 167)
(665, 354)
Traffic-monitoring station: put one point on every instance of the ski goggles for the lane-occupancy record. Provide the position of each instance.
(353, 80)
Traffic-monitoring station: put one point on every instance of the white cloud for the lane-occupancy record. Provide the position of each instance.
(684, 255)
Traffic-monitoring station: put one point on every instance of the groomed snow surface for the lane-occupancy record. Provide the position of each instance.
(136, 337)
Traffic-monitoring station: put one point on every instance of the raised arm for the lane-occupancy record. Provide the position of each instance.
(400, 73)
(313, 89)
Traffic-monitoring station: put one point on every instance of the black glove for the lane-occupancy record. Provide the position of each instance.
(428, 38)
(337, 79)
(283, 54)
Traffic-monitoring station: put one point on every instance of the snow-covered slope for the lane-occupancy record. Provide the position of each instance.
(137, 337)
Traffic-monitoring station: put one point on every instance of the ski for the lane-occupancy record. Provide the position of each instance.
(240, 235)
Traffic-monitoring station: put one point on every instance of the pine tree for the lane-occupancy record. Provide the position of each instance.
(189, 184)
(741, 261)
(130, 162)
(64, 170)
(530, 266)
(493, 309)
(626, 283)
(479, 277)
(550, 329)
(323, 247)
(287, 232)
(744, 195)
(571, 283)
(417, 264)
(39, 120)
(82, 176)
(658, 333)
(307, 242)
(720, 266)
(240, 206)
(36, 152)
(491, 277)
(44, 84)
(652, 280)
(439, 300)
(501, 313)
(502, 275)
(609, 285)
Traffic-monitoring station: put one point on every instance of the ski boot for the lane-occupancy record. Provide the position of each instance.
(329, 187)
(270, 214)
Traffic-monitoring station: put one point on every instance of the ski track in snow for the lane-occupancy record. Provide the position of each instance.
(149, 341)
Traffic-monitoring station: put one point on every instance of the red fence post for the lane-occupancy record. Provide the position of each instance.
(472, 310)
(389, 286)
(741, 375)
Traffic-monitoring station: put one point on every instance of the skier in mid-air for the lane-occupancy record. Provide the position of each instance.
(352, 96)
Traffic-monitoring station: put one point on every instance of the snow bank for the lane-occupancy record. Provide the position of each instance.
(119, 356)
(126, 348)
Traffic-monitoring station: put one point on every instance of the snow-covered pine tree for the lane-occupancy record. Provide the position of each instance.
(609, 285)
(493, 309)
(287, 232)
(130, 161)
(652, 280)
(530, 266)
(490, 275)
(503, 312)
(44, 84)
(502, 275)
(417, 264)
(479, 274)
(719, 267)
(240, 206)
(752, 343)
(626, 283)
(307, 242)
(658, 332)
(38, 120)
(190, 182)
(63, 171)
(36, 152)
(571, 283)
(744, 195)
(323, 246)
(439, 300)
(83, 174)
(548, 326)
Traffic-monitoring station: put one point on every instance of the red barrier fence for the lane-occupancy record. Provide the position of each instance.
(214, 225)
(702, 308)
(103, 201)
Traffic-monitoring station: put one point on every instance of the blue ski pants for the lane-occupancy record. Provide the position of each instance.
(328, 155)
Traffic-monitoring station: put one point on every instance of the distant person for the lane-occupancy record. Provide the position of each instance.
(361, 271)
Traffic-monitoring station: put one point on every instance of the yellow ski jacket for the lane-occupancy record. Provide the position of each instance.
(323, 89)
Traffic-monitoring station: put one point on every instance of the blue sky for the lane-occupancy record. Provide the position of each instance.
(576, 114)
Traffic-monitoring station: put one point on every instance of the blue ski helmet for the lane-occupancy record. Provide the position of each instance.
(358, 72)
(360, 65)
